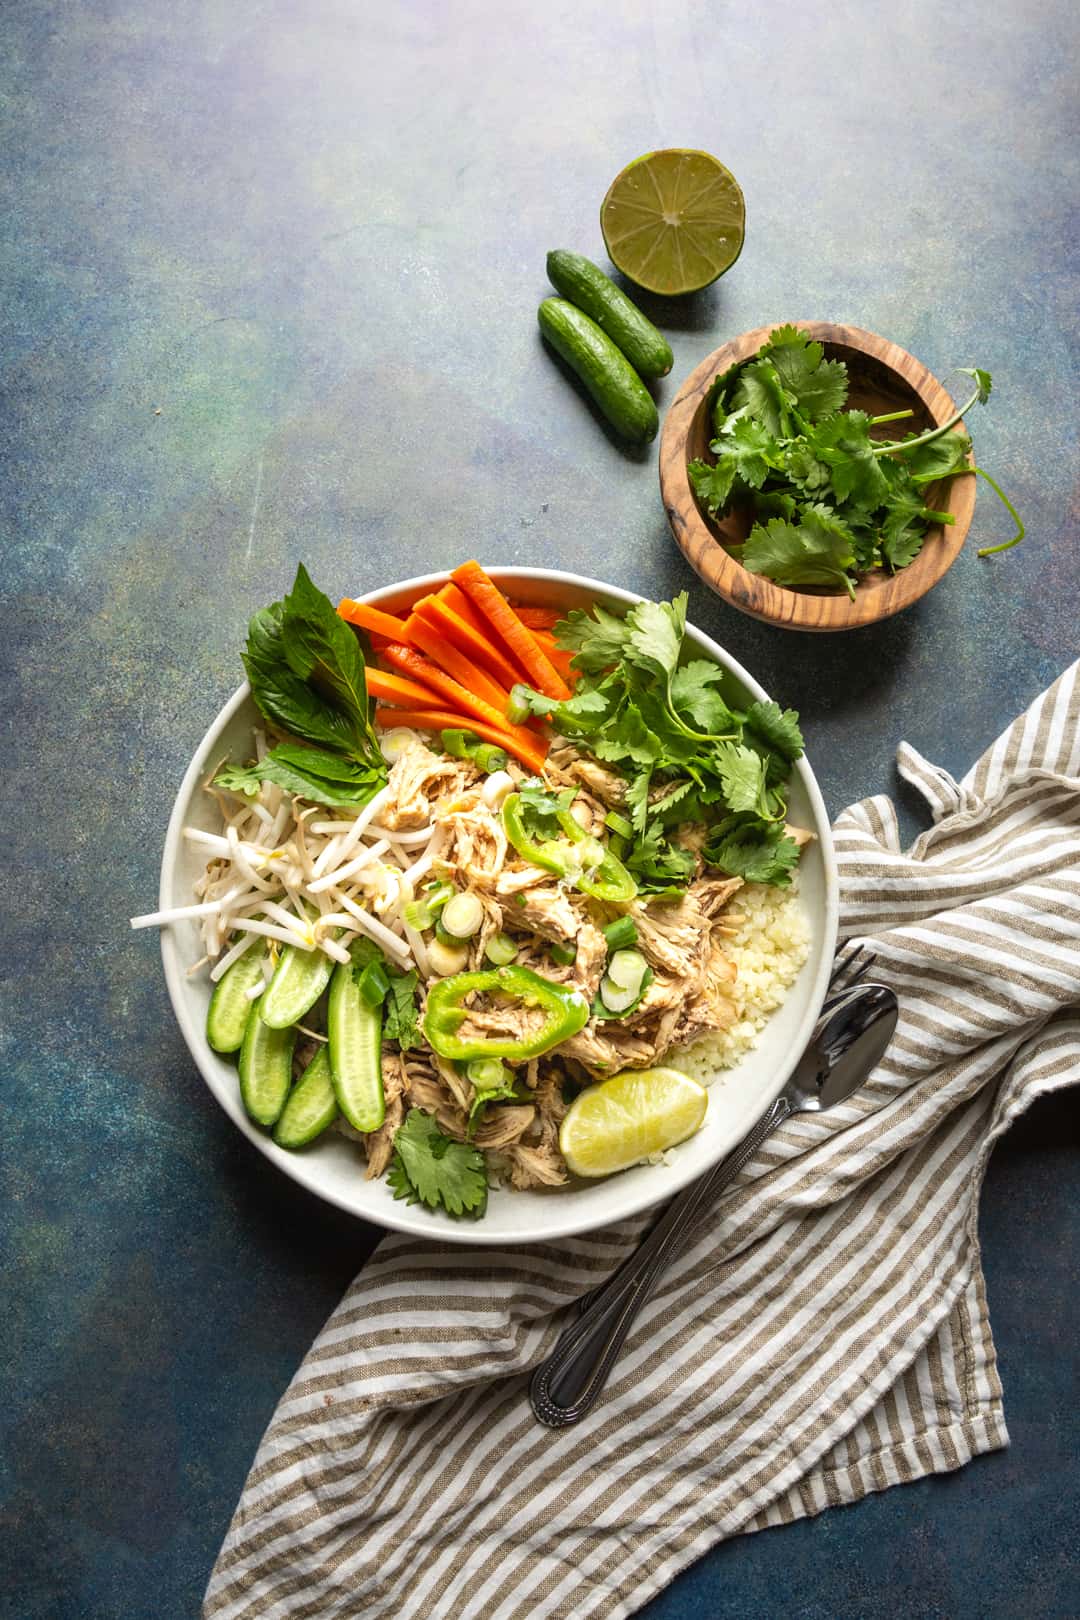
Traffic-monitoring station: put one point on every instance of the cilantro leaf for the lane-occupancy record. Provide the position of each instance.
(904, 528)
(804, 468)
(938, 458)
(637, 800)
(779, 728)
(655, 632)
(742, 773)
(759, 855)
(597, 638)
(400, 1018)
(761, 391)
(712, 485)
(432, 1169)
(672, 799)
(747, 452)
(587, 709)
(632, 741)
(695, 693)
(982, 381)
(657, 862)
(819, 386)
(819, 551)
(843, 442)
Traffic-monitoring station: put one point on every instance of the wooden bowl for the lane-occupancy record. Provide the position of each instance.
(883, 377)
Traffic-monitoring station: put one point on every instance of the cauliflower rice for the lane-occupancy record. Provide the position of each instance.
(769, 946)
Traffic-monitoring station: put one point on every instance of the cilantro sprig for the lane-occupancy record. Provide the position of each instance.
(830, 501)
(688, 749)
(431, 1168)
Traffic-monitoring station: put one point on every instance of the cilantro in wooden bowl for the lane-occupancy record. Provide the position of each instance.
(818, 476)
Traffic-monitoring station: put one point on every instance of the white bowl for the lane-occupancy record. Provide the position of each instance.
(334, 1167)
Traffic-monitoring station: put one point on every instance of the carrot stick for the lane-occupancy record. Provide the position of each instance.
(476, 644)
(390, 688)
(460, 698)
(455, 598)
(560, 656)
(372, 619)
(442, 651)
(490, 601)
(531, 751)
(539, 618)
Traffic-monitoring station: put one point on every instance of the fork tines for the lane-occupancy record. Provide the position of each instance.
(845, 972)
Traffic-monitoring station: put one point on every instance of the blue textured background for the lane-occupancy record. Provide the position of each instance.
(270, 275)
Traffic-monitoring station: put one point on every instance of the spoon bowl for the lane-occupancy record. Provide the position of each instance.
(847, 1046)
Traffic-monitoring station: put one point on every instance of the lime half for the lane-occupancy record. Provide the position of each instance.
(674, 220)
(629, 1118)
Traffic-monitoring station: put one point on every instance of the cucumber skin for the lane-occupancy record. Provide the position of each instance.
(585, 284)
(345, 1001)
(314, 966)
(315, 1083)
(604, 369)
(231, 1039)
(285, 1040)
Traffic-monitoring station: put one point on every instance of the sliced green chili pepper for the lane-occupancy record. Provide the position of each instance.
(577, 857)
(565, 1009)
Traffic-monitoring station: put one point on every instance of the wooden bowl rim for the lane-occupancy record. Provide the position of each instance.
(762, 598)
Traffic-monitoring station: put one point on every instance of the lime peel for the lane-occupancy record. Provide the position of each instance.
(629, 1118)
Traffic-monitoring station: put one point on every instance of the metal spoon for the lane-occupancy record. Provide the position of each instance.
(848, 1043)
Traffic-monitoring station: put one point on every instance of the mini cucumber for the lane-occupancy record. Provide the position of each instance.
(586, 285)
(355, 1047)
(227, 1014)
(311, 1107)
(299, 980)
(265, 1068)
(604, 369)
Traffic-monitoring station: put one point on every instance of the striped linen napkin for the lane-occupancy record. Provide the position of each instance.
(825, 1336)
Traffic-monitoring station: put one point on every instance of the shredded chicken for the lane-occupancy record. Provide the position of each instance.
(379, 1144)
(547, 911)
(416, 778)
(567, 768)
(502, 1125)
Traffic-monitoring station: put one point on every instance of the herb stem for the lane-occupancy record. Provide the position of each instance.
(893, 416)
(937, 517)
(931, 433)
(1006, 545)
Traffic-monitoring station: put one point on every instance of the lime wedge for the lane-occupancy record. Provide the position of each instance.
(673, 220)
(629, 1118)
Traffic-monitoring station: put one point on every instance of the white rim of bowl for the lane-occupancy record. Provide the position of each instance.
(304, 1171)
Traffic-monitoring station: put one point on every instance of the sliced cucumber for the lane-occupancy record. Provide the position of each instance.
(355, 1048)
(312, 1105)
(227, 1014)
(265, 1068)
(299, 980)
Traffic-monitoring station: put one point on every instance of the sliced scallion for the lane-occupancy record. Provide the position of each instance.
(500, 950)
(621, 933)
